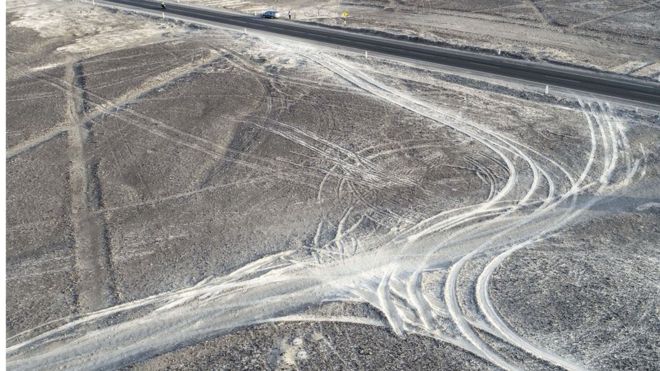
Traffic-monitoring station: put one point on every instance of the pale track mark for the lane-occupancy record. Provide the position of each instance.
(35, 264)
(37, 274)
(168, 128)
(458, 319)
(156, 82)
(282, 268)
(148, 73)
(154, 202)
(483, 10)
(539, 14)
(615, 14)
(529, 194)
(31, 97)
(483, 298)
(205, 146)
(37, 141)
(101, 109)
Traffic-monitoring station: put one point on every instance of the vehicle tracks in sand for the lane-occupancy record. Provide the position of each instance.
(389, 272)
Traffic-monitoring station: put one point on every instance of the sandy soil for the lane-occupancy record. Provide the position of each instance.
(196, 198)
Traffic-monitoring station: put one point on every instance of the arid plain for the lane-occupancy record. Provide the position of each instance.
(195, 198)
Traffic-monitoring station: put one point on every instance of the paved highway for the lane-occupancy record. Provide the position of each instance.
(544, 73)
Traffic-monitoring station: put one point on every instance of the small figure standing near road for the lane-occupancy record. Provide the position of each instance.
(289, 14)
(162, 4)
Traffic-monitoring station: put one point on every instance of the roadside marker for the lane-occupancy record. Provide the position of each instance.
(163, 15)
(547, 89)
(366, 55)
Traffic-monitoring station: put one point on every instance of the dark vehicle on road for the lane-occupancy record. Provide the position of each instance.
(272, 14)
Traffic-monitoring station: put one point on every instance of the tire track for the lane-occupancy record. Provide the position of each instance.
(537, 196)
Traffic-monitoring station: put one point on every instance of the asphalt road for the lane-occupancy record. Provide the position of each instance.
(544, 73)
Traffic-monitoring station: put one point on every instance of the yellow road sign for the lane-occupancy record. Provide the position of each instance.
(344, 14)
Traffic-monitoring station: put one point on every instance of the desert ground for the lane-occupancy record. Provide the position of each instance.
(185, 197)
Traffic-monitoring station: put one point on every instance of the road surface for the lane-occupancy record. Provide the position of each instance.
(544, 73)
